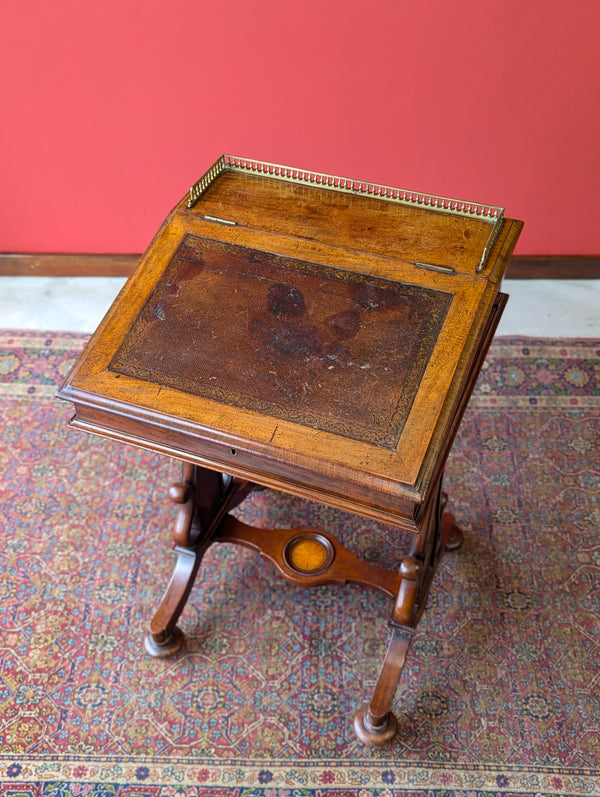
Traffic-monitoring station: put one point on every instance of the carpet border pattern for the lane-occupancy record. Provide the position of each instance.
(341, 778)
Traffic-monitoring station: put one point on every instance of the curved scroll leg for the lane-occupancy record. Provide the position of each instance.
(375, 725)
(204, 498)
(164, 638)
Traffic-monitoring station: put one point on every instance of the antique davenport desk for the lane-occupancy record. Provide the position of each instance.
(311, 334)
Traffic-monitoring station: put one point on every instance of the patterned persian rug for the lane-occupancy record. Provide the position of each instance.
(501, 693)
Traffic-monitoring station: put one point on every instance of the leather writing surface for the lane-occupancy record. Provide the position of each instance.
(333, 350)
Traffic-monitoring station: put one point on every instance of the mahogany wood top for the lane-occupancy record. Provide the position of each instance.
(310, 340)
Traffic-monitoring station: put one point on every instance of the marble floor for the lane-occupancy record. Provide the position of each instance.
(544, 308)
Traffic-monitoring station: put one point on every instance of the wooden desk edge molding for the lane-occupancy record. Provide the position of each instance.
(313, 334)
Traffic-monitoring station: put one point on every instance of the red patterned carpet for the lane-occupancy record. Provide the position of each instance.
(501, 694)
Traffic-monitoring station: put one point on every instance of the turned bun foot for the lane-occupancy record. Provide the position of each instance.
(374, 736)
(455, 539)
(164, 650)
(452, 536)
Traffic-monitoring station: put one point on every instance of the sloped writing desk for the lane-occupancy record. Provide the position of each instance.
(311, 334)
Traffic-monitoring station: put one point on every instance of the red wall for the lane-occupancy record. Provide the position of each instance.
(112, 108)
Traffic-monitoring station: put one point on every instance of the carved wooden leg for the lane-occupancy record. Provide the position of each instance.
(375, 725)
(204, 497)
(164, 638)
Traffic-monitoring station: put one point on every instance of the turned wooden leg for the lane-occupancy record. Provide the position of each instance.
(164, 638)
(203, 498)
(375, 725)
